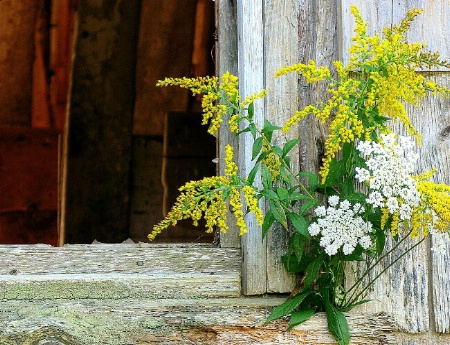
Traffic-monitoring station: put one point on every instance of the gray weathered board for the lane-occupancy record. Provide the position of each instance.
(124, 294)
(416, 290)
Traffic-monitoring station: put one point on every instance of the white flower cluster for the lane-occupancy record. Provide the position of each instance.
(341, 225)
(390, 166)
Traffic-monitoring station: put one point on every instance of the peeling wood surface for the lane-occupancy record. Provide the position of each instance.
(100, 294)
(194, 321)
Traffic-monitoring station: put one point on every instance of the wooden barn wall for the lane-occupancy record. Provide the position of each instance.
(415, 290)
(271, 35)
(101, 115)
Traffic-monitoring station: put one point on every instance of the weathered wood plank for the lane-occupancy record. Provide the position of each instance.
(200, 321)
(118, 271)
(432, 120)
(280, 34)
(117, 258)
(406, 291)
(227, 60)
(250, 21)
(317, 41)
(101, 113)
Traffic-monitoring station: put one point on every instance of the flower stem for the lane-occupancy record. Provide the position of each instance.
(354, 300)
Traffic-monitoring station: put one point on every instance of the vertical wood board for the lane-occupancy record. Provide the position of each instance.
(101, 112)
(431, 27)
(280, 49)
(251, 77)
(431, 118)
(227, 60)
(414, 289)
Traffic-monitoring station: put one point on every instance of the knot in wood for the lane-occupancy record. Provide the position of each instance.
(445, 133)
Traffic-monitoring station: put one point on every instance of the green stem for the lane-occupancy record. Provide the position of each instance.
(356, 284)
(355, 299)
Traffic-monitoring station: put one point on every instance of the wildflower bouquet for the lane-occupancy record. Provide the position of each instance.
(366, 189)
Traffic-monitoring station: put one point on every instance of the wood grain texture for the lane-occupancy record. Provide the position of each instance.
(413, 291)
(100, 294)
(280, 31)
(227, 60)
(17, 24)
(166, 36)
(250, 23)
(172, 321)
(317, 41)
(431, 117)
(118, 271)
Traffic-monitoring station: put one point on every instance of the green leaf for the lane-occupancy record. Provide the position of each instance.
(291, 264)
(277, 151)
(289, 146)
(251, 110)
(381, 241)
(337, 323)
(300, 316)
(300, 223)
(336, 172)
(298, 196)
(347, 187)
(313, 270)
(297, 243)
(251, 176)
(369, 68)
(253, 130)
(278, 213)
(313, 180)
(357, 197)
(268, 130)
(262, 156)
(287, 177)
(266, 177)
(287, 307)
(269, 194)
(282, 193)
(308, 205)
(268, 221)
(257, 146)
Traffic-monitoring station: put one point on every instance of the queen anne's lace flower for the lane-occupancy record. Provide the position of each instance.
(341, 226)
(389, 174)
